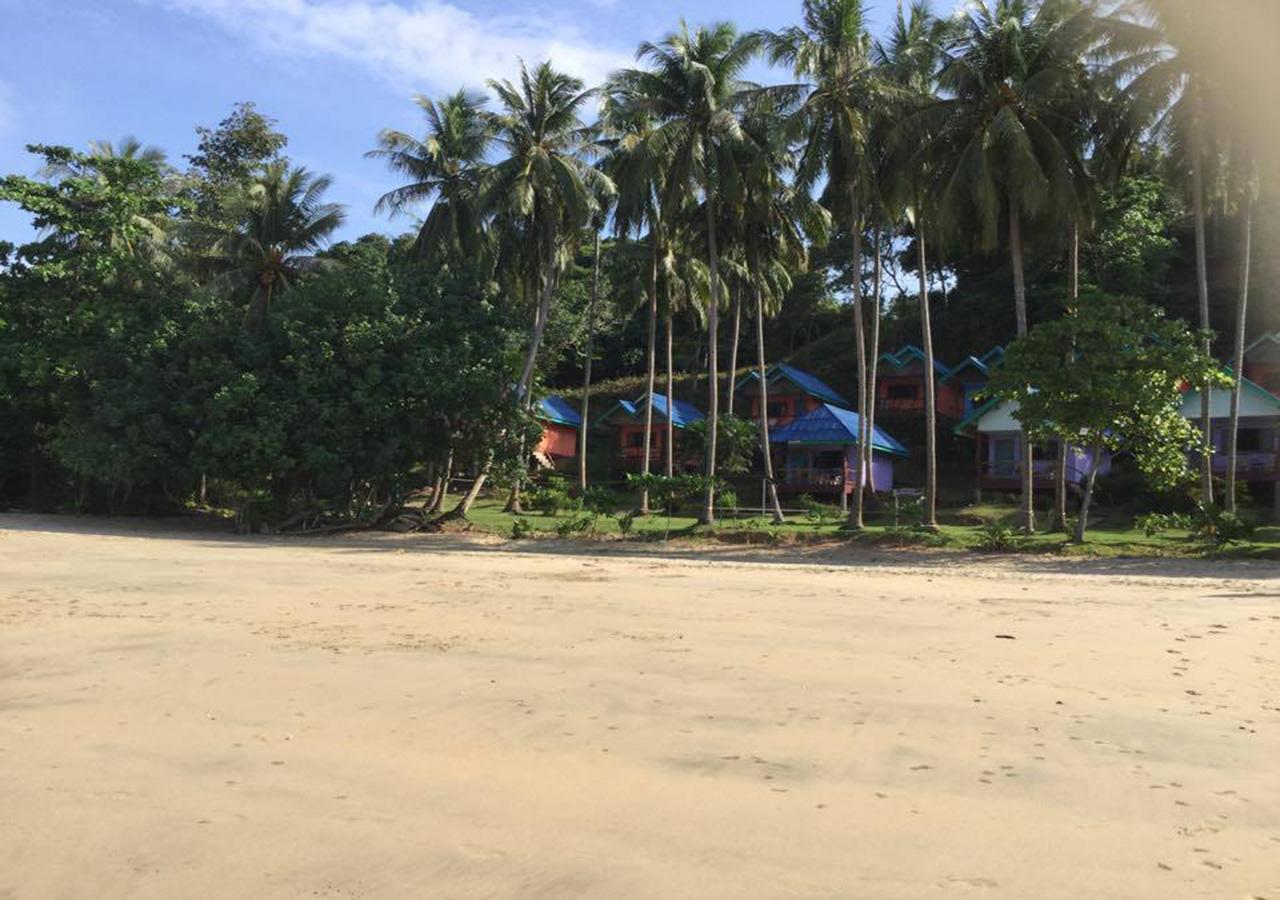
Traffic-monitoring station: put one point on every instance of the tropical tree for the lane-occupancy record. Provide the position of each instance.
(776, 222)
(1247, 188)
(281, 222)
(1006, 81)
(692, 90)
(443, 167)
(840, 97)
(911, 59)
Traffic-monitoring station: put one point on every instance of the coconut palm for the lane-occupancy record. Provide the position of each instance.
(776, 221)
(911, 58)
(691, 88)
(1172, 97)
(281, 222)
(840, 97)
(1006, 81)
(635, 164)
(544, 187)
(443, 167)
(1247, 189)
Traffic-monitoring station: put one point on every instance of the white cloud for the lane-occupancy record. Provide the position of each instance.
(423, 44)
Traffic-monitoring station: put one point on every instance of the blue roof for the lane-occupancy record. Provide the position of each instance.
(910, 352)
(807, 382)
(830, 424)
(559, 410)
(685, 413)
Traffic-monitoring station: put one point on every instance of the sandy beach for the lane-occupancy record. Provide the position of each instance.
(187, 714)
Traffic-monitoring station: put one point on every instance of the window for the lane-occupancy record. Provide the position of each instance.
(635, 439)
(778, 409)
(902, 392)
(1004, 452)
(1252, 440)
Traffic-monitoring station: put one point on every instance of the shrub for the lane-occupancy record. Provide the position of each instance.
(576, 525)
(626, 521)
(816, 511)
(520, 529)
(1000, 539)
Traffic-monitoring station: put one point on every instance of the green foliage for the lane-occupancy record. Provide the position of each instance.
(1121, 389)
(737, 440)
(553, 495)
(520, 529)
(625, 522)
(816, 511)
(995, 538)
(1154, 523)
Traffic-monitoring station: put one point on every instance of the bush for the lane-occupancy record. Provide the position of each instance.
(1216, 526)
(1000, 539)
(576, 525)
(1153, 523)
(520, 529)
(552, 496)
(626, 521)
(816, 511)
(599, 501)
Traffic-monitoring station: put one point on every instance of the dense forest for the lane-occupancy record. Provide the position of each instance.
(185, 332)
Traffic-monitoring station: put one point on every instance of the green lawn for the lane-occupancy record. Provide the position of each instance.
(962, 529)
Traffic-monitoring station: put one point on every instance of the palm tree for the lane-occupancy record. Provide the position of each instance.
(544, 187)
(636, 167)
(1171, 96)
(911, 59)
(692, 89)
(281, 222)
(776, 220)
(1247, 189)
(841, 95)
(1010, 74)
(443, 167)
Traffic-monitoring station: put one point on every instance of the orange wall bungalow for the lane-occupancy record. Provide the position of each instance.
(792, 393)
(1262, 362)
(560, 424)
(626, 419)
(900, 382)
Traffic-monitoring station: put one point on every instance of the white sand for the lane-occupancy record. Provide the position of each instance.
(188, 715)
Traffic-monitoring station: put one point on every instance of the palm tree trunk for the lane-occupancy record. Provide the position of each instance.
(1020, 311)
(930, 517)
(1060, 467)
(464, 505)
(650, 367)
(770, 484)
(586, 366)
(713, 317)
(872, 364)
(855, 514)
(1237, 358)
(1202, 294)
(733, 353)
(671, 428)
(540, 317)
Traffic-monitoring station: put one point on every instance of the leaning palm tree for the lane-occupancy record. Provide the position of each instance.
(842, 95)
(1012, 70)
(1247, 189)
(691, 88)
(442, 167)
(281, 222)
(911, 58)
(540, 194)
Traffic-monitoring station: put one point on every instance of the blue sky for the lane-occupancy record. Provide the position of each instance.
(333, 72)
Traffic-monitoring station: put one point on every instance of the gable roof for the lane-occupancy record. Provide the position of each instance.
(908, 354)
(1273, 337)
(1255, 400)
(830, 424)
(809, 383)
(984, 363)
(558, 410)
(685, 413)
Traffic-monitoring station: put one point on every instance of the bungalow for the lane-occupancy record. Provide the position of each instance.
(560, 423)
(1262, 362)
(821, 453)
(792, 393)
(1256, 440)
(997, 456)
(626, 417)
(900, 384)
(969, 377)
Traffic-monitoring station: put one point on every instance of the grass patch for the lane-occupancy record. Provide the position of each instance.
(967, 529)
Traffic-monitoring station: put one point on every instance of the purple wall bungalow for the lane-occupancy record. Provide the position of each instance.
(821, 453)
